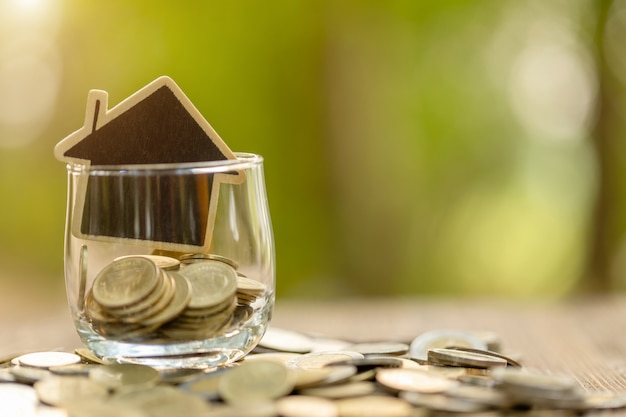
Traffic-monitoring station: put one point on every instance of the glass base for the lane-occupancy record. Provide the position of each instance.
(196, 354)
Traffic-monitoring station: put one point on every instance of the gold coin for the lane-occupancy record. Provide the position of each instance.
(285, 340)
(94, 311)
(374, 406)
(134, 312)
(201, 257)
(61, 391)
(182, 295)
(451, 357)
(354, 389)
(166, 263)
(212, 283)
(125, 282)
(125, 375)
(249, 286)
(306, 406)
(404, 379)
(419, 347)
(320, 359)
(255, 381)
(162, 401)
(46, 360)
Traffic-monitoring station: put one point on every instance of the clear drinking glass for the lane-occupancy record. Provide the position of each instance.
(170, 265)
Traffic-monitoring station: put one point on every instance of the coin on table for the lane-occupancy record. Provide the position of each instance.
(28, 375)
(162, 401)
(17, 400)
(212, 282)
(306, 406)
(509, 361)
(404, 379)
(321, 359)
(60, 391)
(308, 378)
(346, 390)
(280, 357)
(380, 348)
(74, 369)
(527, 382)
(370, 362)
(89, 357)
(442, 339)
(373, 406)
(164, 262)
(284, 340)
(125, 282)
(256, 381)
(47, 359)
(479, 394)
(452, 357)
(206, 385)
(439, 402)
(125, 375)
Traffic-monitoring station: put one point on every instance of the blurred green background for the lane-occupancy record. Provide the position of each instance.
(411, 147)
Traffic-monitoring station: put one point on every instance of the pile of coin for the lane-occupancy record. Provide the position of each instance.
(380, 378)
(383, 380)
(158, 296)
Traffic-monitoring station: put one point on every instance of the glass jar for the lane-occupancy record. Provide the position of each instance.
(170, 265)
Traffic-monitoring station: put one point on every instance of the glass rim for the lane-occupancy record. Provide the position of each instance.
(245, 160)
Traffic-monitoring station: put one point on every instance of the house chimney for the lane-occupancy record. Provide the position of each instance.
(97, 102)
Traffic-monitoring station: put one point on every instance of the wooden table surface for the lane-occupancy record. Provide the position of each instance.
(584, 338)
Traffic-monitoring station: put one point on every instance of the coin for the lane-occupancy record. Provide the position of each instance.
(280, 357)
(249, 286)
(75, 369)
(318, 377)
(200, 257)
(442, 339)
(177, 304)
(134, 313)
(509, 361)
(125, 282)
(164, 262)
(370, 362)
(120, 376)
(162, 401)
(321, 359)
(212, 283)
(60, 391)
(380, 348)
(255, 381)
(82, 275)
(373, 406)
(306, 406)
(206, 385)
(46, 360)
(17, 400)
(29, 375)
(88, 356)
(480, 395)
(451, 357)
(438, 402)
(285, 340)
(346, 390)
(403, 379)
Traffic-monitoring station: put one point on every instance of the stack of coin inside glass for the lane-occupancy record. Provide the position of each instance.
(157, 297)
(441, 372)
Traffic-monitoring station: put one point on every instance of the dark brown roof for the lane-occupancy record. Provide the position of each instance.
(155, 130)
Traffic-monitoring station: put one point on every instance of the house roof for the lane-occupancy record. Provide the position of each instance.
(157, 124)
